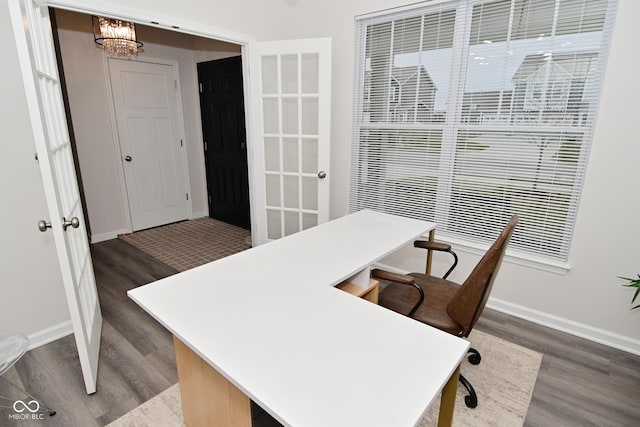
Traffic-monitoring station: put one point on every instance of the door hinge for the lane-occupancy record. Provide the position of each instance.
(187, 194)
(36, 157)
(181, 144)
(205, 146)
(175, 84)
(209, 197)
(200, 87)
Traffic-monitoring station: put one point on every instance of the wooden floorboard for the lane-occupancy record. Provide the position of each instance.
(580, 383)
(136, 353)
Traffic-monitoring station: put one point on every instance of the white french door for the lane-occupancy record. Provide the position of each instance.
(291, 121)
(149, 121)
(32, 29)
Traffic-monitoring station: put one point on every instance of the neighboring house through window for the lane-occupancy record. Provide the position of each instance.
(470, 111)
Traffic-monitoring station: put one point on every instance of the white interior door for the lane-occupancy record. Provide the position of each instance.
(291, 116)
(145, 99)
(32, 30)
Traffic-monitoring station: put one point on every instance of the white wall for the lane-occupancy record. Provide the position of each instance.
(91, 125)
(589, 299)
(89, 103)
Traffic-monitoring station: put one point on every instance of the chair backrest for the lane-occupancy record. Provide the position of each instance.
(467, 304)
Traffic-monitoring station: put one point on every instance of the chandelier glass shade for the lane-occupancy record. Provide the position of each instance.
(116, 37)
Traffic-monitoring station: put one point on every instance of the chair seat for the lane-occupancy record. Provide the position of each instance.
(433, 311)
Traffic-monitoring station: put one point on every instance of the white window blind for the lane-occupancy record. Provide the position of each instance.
(467, 112)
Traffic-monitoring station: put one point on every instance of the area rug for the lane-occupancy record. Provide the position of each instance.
(504, 381)
(187, 244)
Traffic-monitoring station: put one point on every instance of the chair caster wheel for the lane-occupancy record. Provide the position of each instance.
(475, 358)
(471, 401)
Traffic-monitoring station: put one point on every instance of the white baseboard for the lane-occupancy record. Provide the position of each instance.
(95, 238)
(50, 334)
(200, 214)
(581, 330)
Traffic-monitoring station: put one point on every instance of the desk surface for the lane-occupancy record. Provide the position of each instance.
(269, 320)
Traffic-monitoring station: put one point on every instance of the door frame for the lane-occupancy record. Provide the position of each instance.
(246, 42)
(116, 139)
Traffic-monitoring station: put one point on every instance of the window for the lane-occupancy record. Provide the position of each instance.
(470, 111)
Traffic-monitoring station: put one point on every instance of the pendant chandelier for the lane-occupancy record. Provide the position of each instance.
(116, 37)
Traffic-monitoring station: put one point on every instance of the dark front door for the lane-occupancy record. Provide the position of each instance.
(225, 142)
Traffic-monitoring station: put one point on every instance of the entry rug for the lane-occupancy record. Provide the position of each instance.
(187, 244)
(504, 381)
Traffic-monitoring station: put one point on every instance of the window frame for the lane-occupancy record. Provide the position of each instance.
(454, 123)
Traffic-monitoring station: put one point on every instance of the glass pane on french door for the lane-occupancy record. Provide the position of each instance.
(291, 123)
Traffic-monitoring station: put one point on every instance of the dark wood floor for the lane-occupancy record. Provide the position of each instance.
(136, 353)
(580, 383)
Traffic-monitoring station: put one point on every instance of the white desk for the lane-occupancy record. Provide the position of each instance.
(269, 321)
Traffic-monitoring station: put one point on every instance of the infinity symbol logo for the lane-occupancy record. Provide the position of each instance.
(26, 406)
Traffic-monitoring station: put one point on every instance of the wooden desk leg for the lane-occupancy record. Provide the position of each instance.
(208, 399)
(432, 237)
(448, 400)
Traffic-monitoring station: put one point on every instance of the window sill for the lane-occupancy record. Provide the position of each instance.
(512, 256)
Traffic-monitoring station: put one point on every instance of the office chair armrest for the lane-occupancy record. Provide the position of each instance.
(436, 246)
(440, 247)
(402, 279)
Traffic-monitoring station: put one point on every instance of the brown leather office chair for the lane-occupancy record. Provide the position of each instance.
(444, 304)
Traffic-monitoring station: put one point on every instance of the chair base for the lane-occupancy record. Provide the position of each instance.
(471, 400)
(474, 357)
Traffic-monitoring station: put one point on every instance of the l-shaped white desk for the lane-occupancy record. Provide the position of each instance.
(268, 324)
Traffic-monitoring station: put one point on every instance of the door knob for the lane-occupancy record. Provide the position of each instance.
(43, 225)
(127, 158)
(75, 223)
(322, 174)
